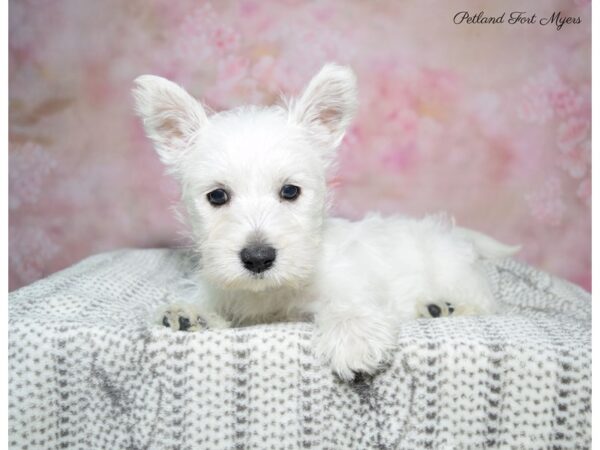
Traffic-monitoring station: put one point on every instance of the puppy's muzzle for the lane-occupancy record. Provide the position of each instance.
(258, 258)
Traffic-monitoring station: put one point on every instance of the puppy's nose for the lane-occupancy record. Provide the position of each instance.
(258, 258)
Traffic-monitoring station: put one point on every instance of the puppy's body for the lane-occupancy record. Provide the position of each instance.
(254, 190)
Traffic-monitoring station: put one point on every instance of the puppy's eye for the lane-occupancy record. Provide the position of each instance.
(289, 192)
(218, 197)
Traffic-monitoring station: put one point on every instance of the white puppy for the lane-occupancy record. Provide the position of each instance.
(254, 191)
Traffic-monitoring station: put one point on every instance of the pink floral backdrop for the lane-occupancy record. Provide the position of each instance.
(488, 122)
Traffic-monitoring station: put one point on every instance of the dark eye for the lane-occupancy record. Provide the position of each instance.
(218, 197)
(289, 192)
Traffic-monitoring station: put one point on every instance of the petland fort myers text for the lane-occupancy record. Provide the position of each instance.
(516, 18)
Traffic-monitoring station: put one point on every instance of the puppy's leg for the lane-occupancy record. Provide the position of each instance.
(195, 314)
(464, 291)
(353, 337)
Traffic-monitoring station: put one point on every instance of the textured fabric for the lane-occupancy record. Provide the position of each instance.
(88, 370)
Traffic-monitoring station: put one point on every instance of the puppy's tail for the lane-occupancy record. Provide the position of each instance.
(487, 247)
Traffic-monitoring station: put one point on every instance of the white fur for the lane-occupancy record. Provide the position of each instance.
(359, 280)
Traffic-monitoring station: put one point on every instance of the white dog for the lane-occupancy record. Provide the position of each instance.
(254, 191)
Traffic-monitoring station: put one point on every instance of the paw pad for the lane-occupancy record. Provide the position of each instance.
(184, 323)
(441, 309)
(434, 310)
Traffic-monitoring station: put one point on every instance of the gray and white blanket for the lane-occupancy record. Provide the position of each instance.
(88, 370)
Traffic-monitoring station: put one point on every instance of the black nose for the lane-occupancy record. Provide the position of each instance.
(258, 258)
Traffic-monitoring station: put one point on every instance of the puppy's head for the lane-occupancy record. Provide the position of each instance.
(253, 179)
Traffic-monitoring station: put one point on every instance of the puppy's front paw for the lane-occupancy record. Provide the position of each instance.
(354, 351)
(183, 317)
(348, 361)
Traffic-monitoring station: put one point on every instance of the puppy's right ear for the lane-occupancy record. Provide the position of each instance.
(170, 115)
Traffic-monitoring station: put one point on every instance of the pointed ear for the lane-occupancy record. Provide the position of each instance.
(170, 115)
(328, 104)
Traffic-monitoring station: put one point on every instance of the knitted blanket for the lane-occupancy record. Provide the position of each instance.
(88, 370)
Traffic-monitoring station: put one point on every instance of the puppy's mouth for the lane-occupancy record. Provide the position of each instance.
(258, 281)
(258, 276)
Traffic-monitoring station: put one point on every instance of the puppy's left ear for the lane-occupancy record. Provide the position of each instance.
(328, 104)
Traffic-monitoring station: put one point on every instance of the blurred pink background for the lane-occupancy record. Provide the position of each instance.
(488, 122)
